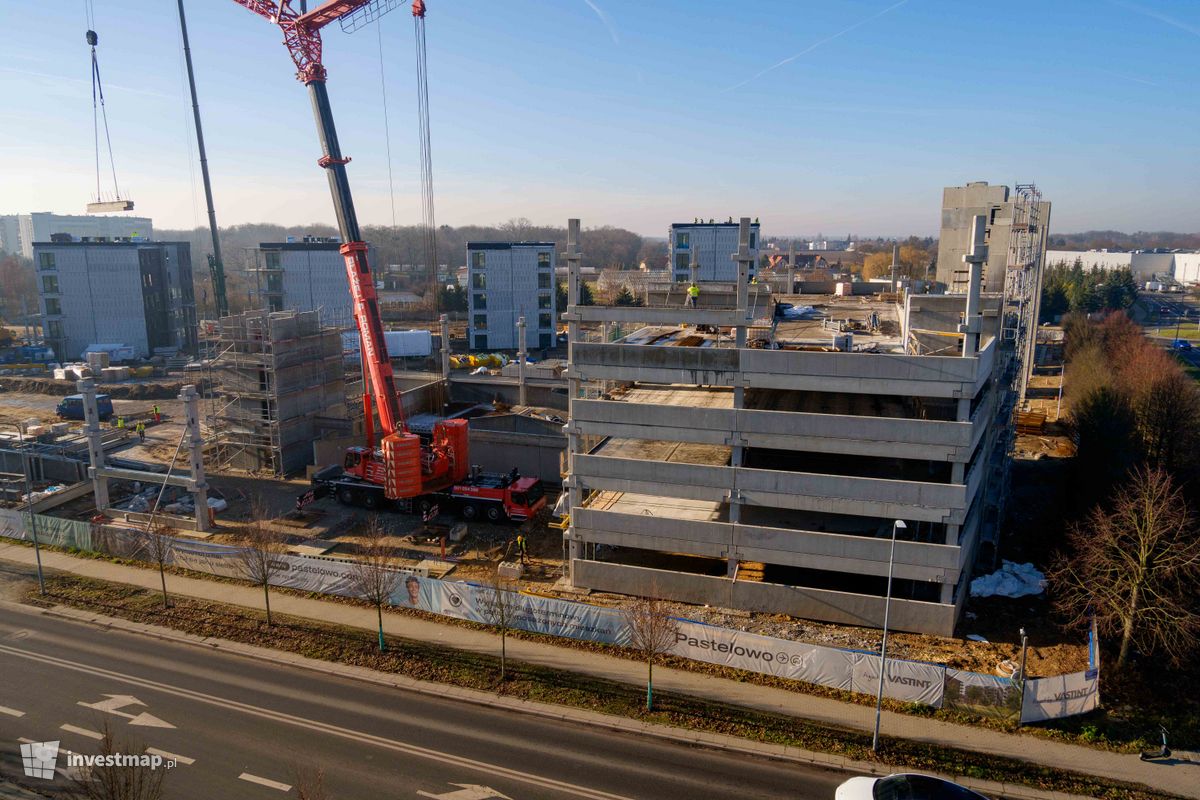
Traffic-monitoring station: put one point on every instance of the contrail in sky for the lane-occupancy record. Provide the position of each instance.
(606, 20)
(812, 46)
(1149, 12)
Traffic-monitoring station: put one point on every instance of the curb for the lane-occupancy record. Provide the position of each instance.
(715, 741)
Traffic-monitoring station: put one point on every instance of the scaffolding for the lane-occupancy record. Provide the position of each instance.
(1023, 282)
(273, 374)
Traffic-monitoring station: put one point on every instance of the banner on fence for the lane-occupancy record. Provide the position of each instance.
(985, 695)
(1060, 696)
(907, 681)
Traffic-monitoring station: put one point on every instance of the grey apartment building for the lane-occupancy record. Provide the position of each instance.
(507, 281)
(135, 293)
(308, 275)
(712, 246)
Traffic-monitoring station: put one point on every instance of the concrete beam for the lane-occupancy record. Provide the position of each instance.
(822, 433)
(837, 552)
(837, 494)
(658, 315)
(174, 479)
(820, 604)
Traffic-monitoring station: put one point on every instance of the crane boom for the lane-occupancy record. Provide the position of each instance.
(302, 36)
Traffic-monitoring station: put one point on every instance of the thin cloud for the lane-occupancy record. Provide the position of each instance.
(811, 47)
(1123, 76)
(1158, 15)
(606, 21)
(119, 87)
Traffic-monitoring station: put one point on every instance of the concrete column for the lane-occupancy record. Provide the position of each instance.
(91, 428)
(975, 258)
(574, 491)
(195, 444)
(791, 284)
(694, 264)
(947, 595)
(895, 263)
(444, 321)
(745, 263)
(522, 354)
(952, 532)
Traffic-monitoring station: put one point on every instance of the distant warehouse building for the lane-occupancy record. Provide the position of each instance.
(309, 275)
(135, 293)
(506, 281)
(1145, 265)
(713, 245)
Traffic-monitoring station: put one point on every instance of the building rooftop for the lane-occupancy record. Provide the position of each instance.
(505, 245)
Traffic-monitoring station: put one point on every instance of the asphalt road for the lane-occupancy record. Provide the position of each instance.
(1172, 308)
(245, 727)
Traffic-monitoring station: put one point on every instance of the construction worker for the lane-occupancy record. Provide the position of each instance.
(521, 547)
(120, 423)
(141, 432)
(693, 295)
(157, 416)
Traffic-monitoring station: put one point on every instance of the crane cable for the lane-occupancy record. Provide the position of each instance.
(387, 131)
(426, 156)
(98, 105)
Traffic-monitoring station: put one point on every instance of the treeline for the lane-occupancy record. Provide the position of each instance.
(1131, 401)
(1132, 563)
(1116, 240)
(602, 247)
(1071, 288)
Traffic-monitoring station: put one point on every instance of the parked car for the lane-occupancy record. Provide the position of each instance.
(1181, 344)
(904, 786)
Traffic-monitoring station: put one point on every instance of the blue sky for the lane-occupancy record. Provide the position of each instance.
(829, 116)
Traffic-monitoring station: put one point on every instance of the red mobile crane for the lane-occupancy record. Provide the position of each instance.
(405, 469)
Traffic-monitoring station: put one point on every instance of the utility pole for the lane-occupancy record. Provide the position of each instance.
(887, 611)
(216, 266)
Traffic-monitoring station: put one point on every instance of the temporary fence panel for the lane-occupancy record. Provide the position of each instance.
(985, 695)
(907, 681)
(1060, 696)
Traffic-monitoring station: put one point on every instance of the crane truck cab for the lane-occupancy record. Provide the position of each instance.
(496, 497)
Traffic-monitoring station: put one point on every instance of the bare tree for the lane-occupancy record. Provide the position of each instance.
(159, 542)
(113, 778)
(373, 576)
(1136, 567)
(499, 605)
(310, 783)
(652, 632)
(261, 548)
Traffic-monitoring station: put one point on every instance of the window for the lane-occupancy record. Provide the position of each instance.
(481, 342)
(543, 261)
(544, 320)
(683, 261)
(479, 260)
(54, 329)
(53, 306)
(46, 261)
(480, 322)
(682, 241)
(544, 340)
(681, 276)
(543, 301)
(480, 300)
(543, 280)
(274, 259)
(753, 240)
(478, 280)
(50, 284)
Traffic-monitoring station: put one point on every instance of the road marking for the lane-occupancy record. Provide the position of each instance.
(154, 751)
(81, 731)
(493, 770)
(468, 791)
(246, 776)
(119, 701)
(12, 712)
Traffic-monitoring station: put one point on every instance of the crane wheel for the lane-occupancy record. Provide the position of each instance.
(346, 496)
(495, 514)
(470, 511)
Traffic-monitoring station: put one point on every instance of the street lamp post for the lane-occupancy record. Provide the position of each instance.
(37, 551)
(887, 610)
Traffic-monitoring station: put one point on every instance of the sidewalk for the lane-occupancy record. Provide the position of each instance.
(1180, 778)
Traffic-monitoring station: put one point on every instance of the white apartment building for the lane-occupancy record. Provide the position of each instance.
(18, 232)
(308, 275)
(713, 245)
